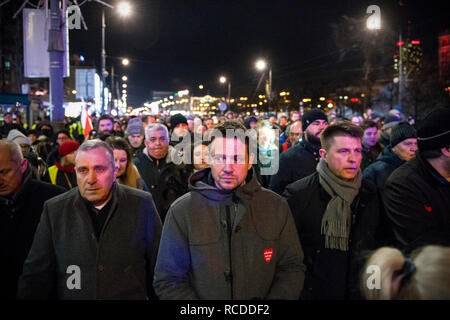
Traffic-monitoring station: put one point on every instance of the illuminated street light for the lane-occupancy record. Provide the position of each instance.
(200, 87)
(261, 65)
(124, 85)
(222, 79)
(124, 9)
(124, 78)
(125, 61)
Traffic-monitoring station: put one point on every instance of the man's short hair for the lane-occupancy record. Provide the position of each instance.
(15, 151)
(105, 117)
(233, 125)
(155, 126)
(344, 128)
(366, 124)
(95, 144)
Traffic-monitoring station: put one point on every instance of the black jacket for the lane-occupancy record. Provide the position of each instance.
(332, 274)
(417, 203)
(296, 163)
(166, 181)
(19, 217)
(379, 171)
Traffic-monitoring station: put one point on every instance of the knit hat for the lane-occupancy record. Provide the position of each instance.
(312, 115)
(135, 127)
(401, 132)
(176, 119)
(391, 122)
(67, 147)
(434, 130)
(18, 137)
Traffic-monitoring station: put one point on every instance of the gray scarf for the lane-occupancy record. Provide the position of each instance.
(337, 218)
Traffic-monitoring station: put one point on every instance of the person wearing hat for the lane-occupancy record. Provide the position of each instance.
(63, 172)
(179, 126)
(417, 194)
(19, 138)
(389, 123)
(135, 136)
(403, 147)
(301, 160)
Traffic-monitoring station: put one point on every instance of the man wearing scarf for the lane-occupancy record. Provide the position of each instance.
(62, 173)
(229, 238)
(336, 213)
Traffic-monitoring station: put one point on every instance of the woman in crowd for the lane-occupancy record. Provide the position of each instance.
(128, 173)
(389, 275)
(62, 173)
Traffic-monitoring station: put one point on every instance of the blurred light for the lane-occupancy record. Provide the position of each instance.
(306, 100)
(354, 99)
(345, 97)
(82, 58)
(322, 98)
(200, 87)
(124, 85)
(261, 65)
(124, 91)
(318, 106)
(125, 61)
(415, 41)
(74, 91)
(124, 9)
(330, 105)
(400, 43)
(124, 78)
(222, 79)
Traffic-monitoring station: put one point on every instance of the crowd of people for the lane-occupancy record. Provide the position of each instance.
(300, 206)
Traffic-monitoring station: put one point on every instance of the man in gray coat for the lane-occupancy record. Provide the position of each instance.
(97, 241)
(229, 238)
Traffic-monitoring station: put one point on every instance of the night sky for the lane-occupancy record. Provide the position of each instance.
(173, 45)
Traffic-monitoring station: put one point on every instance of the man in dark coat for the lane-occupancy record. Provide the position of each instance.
(336, 213)
(97, 241)
(21, 202)
(229, 238)
(403, 147)
(301, 160)
(417, 194)
(371, 148)
(166, 180)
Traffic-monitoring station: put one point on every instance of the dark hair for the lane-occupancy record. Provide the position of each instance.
(120, 143)
(344, 128)
(366, 124)
(234, 125)
(105, 117)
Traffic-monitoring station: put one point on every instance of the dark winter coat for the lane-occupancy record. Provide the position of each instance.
(369, 155)
(19, 217)
(117, 266)
(379, 171)
(417, 203)
(330, 273)
(166, 181)
(229, 245)
(295, 163)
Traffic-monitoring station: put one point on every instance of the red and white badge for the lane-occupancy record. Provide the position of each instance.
(268, 253)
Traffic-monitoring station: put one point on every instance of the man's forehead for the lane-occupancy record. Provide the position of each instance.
(97, 155)
(345, 141)
(156, 133)
(227, 145)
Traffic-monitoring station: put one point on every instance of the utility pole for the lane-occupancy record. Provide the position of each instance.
(104, 73)
(56, 53)
(400, 72)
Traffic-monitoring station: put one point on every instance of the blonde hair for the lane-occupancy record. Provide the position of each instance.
(430, 280)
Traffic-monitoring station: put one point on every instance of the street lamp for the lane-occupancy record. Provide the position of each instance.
(261, 65)
(124, 78)
(224, 80)
(125, 61)
(124, 9)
